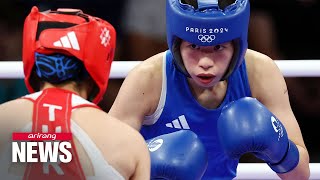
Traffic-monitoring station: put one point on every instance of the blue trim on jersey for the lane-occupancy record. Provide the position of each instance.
(182, 111)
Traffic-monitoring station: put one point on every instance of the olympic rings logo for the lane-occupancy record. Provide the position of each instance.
(206, 38)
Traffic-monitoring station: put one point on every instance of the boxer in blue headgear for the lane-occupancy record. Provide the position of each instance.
(210, 25)
(234, 99)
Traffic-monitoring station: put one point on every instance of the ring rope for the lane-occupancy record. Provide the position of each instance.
(289, 68)
(120, 69)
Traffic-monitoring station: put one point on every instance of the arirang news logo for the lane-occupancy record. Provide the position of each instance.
(41, 147)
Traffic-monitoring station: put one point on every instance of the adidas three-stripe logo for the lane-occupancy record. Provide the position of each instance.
(68, 41)
(180, 123)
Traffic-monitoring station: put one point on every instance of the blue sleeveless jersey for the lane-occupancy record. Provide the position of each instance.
(178, 110)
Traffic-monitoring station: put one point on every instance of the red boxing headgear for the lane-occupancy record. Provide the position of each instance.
(73, 33)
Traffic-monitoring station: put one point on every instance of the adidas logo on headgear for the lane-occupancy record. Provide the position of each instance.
(68, 41)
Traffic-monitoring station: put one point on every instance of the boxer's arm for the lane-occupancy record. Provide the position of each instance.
(268, 86)
(10, 120)
(5, 125)
(143, 166)
(139, 94)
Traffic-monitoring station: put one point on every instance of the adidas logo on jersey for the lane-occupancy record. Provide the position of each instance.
(68, 41)
(180, 123)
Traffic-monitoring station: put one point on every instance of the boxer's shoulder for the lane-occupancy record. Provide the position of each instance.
(17, 105)
(151, 66)
(15, 114)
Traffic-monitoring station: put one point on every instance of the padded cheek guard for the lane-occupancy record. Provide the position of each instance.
(70, 32)
(208, 25)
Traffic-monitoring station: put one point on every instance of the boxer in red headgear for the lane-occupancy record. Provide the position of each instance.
(67, 57)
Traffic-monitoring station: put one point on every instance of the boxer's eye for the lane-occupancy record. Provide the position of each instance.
(194, 46)
(218, 47)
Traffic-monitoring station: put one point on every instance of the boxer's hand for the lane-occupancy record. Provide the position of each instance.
(246, 125)
(178, 155)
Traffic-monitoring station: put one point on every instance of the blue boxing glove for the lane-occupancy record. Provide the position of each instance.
(246, 126)
(177, 155)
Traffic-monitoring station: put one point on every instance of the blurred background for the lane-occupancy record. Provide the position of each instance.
(286, 29)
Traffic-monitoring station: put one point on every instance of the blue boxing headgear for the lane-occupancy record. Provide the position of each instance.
(208, 24)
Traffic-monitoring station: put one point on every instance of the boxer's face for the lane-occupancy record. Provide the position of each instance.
(206, 64)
